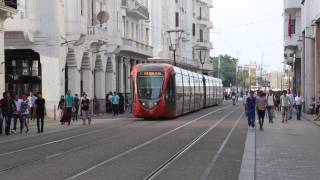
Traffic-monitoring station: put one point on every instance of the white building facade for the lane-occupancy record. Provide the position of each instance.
(52, 46)
(306, 39)
(184, 26)
(89, 46)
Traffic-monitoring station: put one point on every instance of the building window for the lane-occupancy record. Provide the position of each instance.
(200, 11)
(194, 29)
(201, 35)
(177, 19)
(293, 26)
(147, 35)
(123, 26)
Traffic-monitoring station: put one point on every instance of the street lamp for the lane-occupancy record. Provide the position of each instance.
(174, 42)
(202, 56)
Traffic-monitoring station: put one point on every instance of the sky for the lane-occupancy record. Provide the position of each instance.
(251, 30)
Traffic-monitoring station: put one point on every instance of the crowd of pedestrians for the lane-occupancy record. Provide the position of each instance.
(115, 103)
(263, 104)
(23, 109)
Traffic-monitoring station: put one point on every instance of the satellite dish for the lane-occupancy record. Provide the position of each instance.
(103, 17)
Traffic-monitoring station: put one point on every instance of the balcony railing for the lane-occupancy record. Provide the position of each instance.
(98, 33)
(136, 9)
(137, 46)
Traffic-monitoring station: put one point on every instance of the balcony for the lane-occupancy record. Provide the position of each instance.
(207, 2)
(134, 46)
(292, 5)
(135, 9)
(96, 33)
(205, 22)
(293, 42)
(204, 44)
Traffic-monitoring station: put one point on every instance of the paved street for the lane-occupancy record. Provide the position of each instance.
(204, 145)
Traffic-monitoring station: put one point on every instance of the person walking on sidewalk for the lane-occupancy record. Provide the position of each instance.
(69, 106)
(291, 103)
(8, 108)
(298, 101)
(270, 105)
(16, 114)
(24, 113)
(86, 111)
(261, 108)
(75, 109)
(244, 98)
(40, 112)
(285, 102)
(251, 106)
(115, 104)
(32, 99)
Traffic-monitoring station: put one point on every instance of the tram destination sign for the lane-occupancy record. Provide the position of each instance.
(151, 73)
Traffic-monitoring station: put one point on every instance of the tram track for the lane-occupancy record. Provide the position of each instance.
(182, 151)
(77, 148)
(61, 153)
(137, 147)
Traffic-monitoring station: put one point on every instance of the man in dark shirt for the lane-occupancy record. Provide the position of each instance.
(8, 107)
(40, 112)
(251, 106)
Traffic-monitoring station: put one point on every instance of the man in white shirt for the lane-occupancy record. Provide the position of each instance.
(32, 99)
(270, 105)
(291, 101)
(16, 115)
(298, 101)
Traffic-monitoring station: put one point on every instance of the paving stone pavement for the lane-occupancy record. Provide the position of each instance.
(288, 151)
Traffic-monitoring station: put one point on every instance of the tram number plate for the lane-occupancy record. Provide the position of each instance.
(151, 73)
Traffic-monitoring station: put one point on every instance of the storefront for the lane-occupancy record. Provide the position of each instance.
(22, 71)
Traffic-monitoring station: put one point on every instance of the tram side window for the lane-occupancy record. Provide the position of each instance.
(170, 91)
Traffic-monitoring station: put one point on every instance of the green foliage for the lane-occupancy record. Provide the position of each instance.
(228, 69)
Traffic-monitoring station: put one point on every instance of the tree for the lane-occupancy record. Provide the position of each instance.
(228, 69)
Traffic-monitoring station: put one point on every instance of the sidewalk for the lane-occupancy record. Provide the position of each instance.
(288, 151)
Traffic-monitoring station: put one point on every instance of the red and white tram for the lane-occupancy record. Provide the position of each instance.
(163, 90)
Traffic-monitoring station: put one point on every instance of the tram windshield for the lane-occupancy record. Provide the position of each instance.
(150, 85)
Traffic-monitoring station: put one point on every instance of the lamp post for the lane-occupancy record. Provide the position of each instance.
(202, 56)
(174, 42)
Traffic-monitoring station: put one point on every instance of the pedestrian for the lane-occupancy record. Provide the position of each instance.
(121, 104)
(86, 110)
(291, 103)
(75, 110)
(115, 104)
(251, 106)
(262, 103)
(32, 98)
(24, 113)
(110, 102)
(285, 102)
(40, 112)
(318, 106)
(233, 97)
(16, 114)
(8, 108)
(69, 103)
(245, 97)
(298, 104)
(270, 105)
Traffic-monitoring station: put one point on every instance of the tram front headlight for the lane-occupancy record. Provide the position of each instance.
(143, 104)
(155, 103)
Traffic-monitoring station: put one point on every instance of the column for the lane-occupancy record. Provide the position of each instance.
(86, 75)
(73, 72)
(310, 68)
(303, 68)
(110, 74)
(128, 76)
(121, 75)
(100, 87)
(317, 63)
(2, 62)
